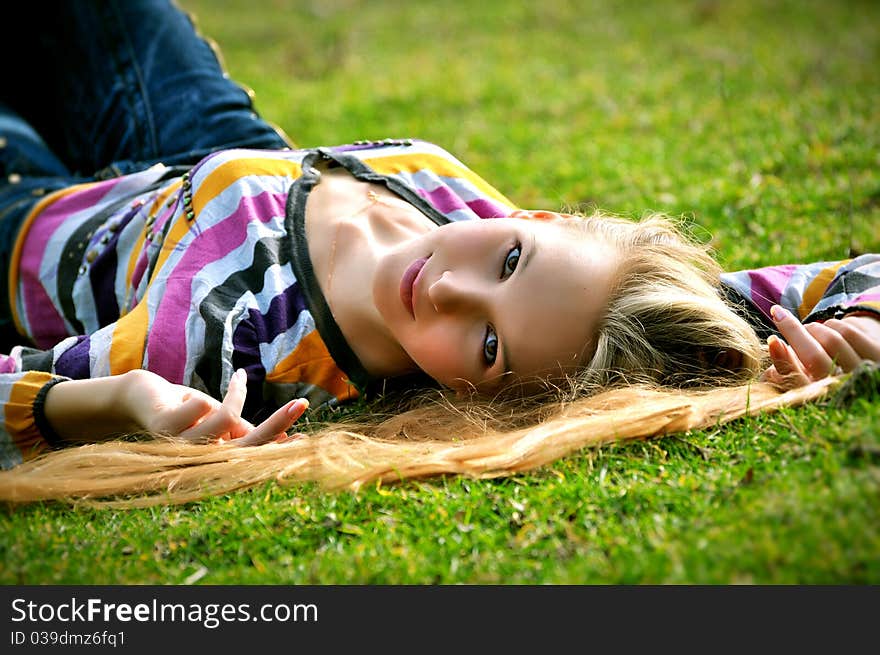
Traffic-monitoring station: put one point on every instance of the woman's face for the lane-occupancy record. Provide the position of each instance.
(484, 303)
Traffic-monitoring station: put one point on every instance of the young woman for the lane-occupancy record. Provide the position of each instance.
(209, 282)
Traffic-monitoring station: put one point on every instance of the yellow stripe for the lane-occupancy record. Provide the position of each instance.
(129, 340)
(218, 179)
(413, 163)
(19, 414)
(816, 289)
(311, 362)
(214, 184)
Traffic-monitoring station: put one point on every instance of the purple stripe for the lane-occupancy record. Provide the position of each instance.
(45, 323)
(485, 208)
(258, 328)
(443, 199)
(865, 297)
(102, 273)
(767, 284)
(74, 362)
(352, 147)
(282, 314)
(167, 346)
(446, 201)
(101, 279)
(7, 364)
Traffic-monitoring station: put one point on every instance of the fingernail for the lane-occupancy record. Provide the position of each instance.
(240, 373)
(775, 345)
(298, 407)
(779, 313)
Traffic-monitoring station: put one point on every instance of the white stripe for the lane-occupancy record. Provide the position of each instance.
(286, 342)
(99, 351)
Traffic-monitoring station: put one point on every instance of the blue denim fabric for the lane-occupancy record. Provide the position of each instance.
(107, 87)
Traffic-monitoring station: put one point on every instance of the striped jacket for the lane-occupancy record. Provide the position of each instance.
(193, 274)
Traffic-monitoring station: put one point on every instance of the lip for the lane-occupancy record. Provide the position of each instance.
(408, 283)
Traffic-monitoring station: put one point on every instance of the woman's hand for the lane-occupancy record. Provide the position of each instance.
(141, 401)
(160, 406)
(816, 350)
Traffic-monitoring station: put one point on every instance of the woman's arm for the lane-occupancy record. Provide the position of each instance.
(141, 401)
(827, 315)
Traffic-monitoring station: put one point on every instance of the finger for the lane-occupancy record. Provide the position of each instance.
(236, 392)
(861, 342)
(280, 422)
(834, 343)
(783, 358)
(219, 424)
(816, 362)
(787, 371)
(178, 419)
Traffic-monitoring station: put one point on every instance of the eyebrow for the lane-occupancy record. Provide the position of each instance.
(533, 248)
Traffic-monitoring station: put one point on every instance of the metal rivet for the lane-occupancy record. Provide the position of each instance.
(14, 178)
(2, 141)
(82, 270)
(190, 215)
(114, 226)
(38, 192)
(91, 256)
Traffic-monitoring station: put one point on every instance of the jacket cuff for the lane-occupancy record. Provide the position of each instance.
(40, 420)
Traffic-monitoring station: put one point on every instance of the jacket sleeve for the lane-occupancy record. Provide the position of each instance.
(813, 292)
(24, 430)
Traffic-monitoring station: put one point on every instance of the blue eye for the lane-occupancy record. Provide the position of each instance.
(511, 261)
(490, 346)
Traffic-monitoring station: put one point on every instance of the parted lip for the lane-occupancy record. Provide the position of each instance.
(408, 283)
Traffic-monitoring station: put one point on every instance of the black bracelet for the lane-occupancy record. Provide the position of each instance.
(40, 420)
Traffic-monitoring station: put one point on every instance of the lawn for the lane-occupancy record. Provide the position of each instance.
(759, 121)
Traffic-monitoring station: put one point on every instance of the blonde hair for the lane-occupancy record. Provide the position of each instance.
(666, 328)
(665, 320)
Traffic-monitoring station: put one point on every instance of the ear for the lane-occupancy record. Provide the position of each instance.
(719, 359)
(727, 359)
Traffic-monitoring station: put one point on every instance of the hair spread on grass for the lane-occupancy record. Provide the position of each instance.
(437, 439)
(670, 355)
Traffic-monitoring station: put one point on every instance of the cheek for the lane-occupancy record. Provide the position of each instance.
(441, 353)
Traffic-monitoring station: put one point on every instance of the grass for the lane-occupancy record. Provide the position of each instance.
(758, 120)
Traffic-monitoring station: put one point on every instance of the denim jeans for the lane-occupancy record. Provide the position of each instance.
(100, 88)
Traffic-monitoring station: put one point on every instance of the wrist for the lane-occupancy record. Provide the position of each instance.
(90, 410)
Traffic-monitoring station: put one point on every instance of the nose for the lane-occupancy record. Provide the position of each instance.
(453, 292)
